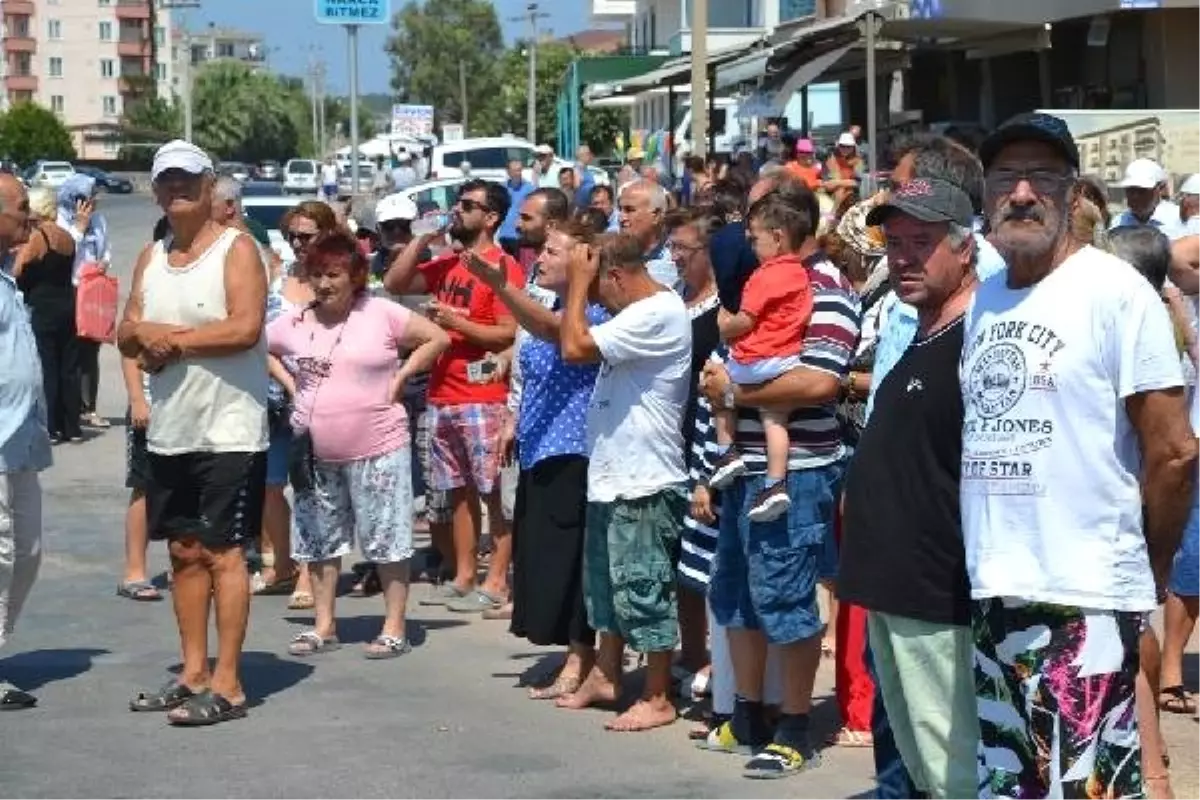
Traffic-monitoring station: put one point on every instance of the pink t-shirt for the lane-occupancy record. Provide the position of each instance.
(344, 374)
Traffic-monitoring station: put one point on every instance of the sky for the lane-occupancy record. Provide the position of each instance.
(292, 37)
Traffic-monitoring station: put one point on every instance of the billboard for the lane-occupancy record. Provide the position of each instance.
(412, 120)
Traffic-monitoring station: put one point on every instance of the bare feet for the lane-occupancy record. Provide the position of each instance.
(643, 716)
(596, 690)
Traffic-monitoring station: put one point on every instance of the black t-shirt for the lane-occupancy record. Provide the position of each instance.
(902, 549)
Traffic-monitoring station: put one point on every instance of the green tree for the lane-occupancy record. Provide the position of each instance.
(29, 132)
(598, 127)
(245, 115)
(429, 43)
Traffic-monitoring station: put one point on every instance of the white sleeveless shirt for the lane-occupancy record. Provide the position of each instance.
(215, 404)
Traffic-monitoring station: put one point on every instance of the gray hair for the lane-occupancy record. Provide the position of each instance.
(654, 192)
(959, 237)
(228, 189)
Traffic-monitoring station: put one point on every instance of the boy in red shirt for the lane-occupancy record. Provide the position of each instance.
(467, 407)
(766, 338)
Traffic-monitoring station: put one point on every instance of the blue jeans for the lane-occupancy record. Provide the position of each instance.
(765, 573)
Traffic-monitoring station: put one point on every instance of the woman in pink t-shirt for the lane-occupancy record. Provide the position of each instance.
(349, 388)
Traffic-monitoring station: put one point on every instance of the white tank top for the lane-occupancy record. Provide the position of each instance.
(216, 404)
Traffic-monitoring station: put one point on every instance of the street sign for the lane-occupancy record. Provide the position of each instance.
(452, 132)
(412, 120)
(353, 12)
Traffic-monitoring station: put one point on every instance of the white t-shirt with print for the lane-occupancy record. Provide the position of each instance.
(635, 419)
(1051, 504)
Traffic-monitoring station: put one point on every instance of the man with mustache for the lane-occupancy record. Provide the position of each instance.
(1145, 184)
(1078, 465)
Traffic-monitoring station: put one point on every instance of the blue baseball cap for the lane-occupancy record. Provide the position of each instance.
(1035, 127)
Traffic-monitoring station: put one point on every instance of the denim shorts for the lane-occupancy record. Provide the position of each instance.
(1185, 572)
(765, 573)
(278, 454)
(628, 577)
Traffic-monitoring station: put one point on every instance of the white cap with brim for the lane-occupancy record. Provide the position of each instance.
(1191, 185)
(395, 206)
(544, 150)
(404, 156)
(180, 155)
(847, 140)
(1143, 173)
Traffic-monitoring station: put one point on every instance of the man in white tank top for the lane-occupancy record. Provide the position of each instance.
(194, 322)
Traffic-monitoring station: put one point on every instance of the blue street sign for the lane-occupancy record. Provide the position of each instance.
(353, 12)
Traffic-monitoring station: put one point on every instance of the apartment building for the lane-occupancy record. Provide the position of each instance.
(84, 60)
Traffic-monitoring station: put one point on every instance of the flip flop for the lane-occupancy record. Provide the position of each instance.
(1176, 700)
(206, 708)
(139, 591)
(301, 601)
(275, 588)
(847, 737)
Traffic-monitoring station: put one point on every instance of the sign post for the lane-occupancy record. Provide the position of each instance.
(351, 14)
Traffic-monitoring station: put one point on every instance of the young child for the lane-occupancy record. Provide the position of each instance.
(766, 337)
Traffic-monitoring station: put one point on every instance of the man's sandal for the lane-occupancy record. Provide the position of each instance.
(206, 708)
(1176, 700)
(171, 695)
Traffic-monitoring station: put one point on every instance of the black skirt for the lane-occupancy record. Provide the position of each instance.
(548, 527)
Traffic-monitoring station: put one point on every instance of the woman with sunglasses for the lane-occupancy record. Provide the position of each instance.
(288, 291)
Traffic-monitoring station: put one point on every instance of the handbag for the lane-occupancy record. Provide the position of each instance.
(302, 459)
(96, 300)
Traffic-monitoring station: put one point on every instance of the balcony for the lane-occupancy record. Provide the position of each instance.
(17, 8)
(133, 9)
(133, 47)
(718, 39)
(20, 44)
(607, 12)
(21, 83)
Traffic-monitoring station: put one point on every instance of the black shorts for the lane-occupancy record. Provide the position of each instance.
(137, 468)
(216, 498)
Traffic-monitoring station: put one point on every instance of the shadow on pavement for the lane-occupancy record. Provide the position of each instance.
(34, 669)
(365, 628)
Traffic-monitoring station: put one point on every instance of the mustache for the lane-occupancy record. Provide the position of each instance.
(1022, 214)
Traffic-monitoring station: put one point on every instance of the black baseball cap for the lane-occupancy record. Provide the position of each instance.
(926, 199)
(1035, 127)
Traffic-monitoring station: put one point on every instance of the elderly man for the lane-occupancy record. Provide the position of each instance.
(544, 174)
(227, 210)
(636, 476)
(919, 626)
(1078, 467)
(194, 322)
(403, 174)
(763, 586)
(643, 205)
(1189, 205)
(24, 441)
(1145, 185)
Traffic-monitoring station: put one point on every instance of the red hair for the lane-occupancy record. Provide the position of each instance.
(338, 248)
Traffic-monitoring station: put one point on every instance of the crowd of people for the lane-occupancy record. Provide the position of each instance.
(963, 405)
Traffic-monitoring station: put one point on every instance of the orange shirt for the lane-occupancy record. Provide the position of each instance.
(452, 284)
(778, 295)
(810, 175)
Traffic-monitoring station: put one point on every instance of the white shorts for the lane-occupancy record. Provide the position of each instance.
(761, 371)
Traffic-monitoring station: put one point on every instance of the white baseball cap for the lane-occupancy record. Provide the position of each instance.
(847, 140)
(179, 154)
(1191, 185)
(1143, 173)
(544, 150)
(403, 156)
(393, 207)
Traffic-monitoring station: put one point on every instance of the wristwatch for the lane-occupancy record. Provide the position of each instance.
(727, 400)
(847, 386)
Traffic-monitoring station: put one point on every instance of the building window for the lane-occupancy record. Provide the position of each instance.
(160, 35)
(54, 29)
(107, 70)
(56, 103)
(110, 106)
(224, 50)
(109, 2)
(110, 147)
(796, 9)
(106, 31)
(160, 71)
(55, 67)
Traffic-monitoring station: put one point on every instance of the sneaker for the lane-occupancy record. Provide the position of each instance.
(443, 594)
(770, 503)
(780, 761)
(474, 602)
(14, 699)
(721, 740)
(727, 467)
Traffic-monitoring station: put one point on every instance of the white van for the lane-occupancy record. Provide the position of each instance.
(489, 157)
(724, 120)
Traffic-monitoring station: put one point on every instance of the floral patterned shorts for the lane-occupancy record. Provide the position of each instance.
(369, 501)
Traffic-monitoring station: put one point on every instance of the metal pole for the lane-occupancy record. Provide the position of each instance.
(322, 128)
(312, 86)
(872, 20)
(187, 87)
(462, 93)
(699, 77)
(531, 101)
(352, 38)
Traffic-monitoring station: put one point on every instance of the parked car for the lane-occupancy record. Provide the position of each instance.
(267, 171)
(48, 173)
(438, 195)
(489, 157)
(366, 173)
(268, 210)
(106, 181)
(10, 167)
(261, 188)
(301, 176)
(234, 169)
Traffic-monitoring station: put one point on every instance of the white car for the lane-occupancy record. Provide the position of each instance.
(439, 194)
(301, 176)
(268, 211)
(51, 174)
(366, 174)
(489, 159)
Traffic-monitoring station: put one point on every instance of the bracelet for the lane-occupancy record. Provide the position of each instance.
(847, 385)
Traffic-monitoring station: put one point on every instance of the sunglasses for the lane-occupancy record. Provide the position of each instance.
(300, 236)
(469, 205)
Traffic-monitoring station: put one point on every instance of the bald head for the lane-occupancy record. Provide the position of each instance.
(14, 210)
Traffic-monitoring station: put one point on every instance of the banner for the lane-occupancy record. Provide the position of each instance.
(410, 120)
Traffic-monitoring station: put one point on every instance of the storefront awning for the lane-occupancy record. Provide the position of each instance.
(676, 72)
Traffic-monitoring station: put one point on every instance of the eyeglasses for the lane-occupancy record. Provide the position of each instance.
(1042, 181)
(678, 248)
(301, 237)
(469, 205)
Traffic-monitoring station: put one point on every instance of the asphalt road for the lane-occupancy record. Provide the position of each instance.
(447, 720)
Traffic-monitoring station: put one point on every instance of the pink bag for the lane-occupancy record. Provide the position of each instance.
(96, 300)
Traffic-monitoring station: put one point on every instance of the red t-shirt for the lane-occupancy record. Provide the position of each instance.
(449, 280)
(779, 296)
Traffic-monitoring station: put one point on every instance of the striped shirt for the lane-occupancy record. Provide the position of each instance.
(699, 541)
(815, 434)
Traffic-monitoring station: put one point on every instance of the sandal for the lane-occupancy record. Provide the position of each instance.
(386, 647)
(847, 737)
(172, 695)
(260, 586)
(828, 648)
(301, 601)
(1176, 700)
(563, 684)
(206, 708)
(311, 643)
(140, 591)
(701, 732)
